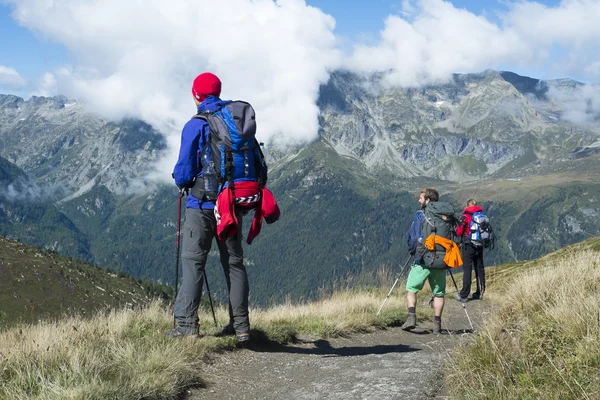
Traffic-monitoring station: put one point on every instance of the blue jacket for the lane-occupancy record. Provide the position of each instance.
(414, 233)
(193, 139)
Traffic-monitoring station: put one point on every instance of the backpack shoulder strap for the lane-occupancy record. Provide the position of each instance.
(428, 220)
(204, 114)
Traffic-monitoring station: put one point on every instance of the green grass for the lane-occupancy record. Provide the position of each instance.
(38, 284)
(544, 339)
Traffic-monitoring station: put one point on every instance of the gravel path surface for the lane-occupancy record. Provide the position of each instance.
(387, 364)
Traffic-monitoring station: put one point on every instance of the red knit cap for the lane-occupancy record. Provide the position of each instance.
(206, 84)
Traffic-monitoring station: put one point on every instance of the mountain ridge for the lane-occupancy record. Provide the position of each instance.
(39, 284)
(346, 197)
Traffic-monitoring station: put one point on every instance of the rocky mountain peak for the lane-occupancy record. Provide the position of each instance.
(60, 143)
(465, 129)
(469, 128)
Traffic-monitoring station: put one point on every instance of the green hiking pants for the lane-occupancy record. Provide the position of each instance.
(418, 275)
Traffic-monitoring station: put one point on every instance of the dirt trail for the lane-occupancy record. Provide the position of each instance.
(388, 364)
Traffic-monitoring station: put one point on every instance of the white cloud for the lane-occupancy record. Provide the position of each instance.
(580, 104)
(19, 190)
(432, 39)
(10, 77)
(47, 86)
(139, 58)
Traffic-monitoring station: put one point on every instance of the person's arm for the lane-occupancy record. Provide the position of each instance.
(414, 233)
(192, 140)
(460, 230)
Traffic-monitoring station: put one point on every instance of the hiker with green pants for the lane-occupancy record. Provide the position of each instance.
(419, 273)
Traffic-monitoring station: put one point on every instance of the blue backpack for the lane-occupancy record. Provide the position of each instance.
(481, 232)
(232, 144)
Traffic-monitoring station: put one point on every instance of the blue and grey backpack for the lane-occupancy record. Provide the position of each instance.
(481, 232)
(236, 154)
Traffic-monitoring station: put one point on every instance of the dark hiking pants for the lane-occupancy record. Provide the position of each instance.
(199, 230)
(472, 259)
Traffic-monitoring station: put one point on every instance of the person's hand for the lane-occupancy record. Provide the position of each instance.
(187, 186)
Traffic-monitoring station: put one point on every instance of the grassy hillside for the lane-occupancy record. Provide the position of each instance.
(27, 213)
(125, 355)
(544, 340)
(38, 284)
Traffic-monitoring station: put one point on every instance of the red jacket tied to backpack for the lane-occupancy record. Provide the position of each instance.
(465, 228)
(246, 195)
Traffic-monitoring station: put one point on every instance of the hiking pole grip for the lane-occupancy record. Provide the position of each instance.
(177, 241)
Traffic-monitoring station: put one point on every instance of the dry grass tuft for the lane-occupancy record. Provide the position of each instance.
(545, 340)
(120, 355)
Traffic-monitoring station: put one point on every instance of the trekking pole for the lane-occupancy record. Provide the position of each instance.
(394, 285)
(210, 298)
(178, 245)
(463, 304)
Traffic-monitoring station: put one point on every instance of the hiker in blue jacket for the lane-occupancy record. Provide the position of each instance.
(199, 228)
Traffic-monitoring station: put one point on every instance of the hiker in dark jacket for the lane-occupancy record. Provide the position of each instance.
(199, 228)
(419, 274)
(472, 256)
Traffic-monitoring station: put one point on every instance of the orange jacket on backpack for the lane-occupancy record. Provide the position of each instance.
(452, 258)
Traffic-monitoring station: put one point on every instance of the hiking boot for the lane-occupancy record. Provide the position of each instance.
(476, 296)
(461, 299)
(437, 327)
(226, 330)
(181, 331)
(242, 339)
(410, 323)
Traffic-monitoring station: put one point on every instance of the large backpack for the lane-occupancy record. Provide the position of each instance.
(236, 154)
(438, 219)
(481, 232)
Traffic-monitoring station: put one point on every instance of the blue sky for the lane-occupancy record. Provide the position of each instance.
(26, 52)
(357, 17)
